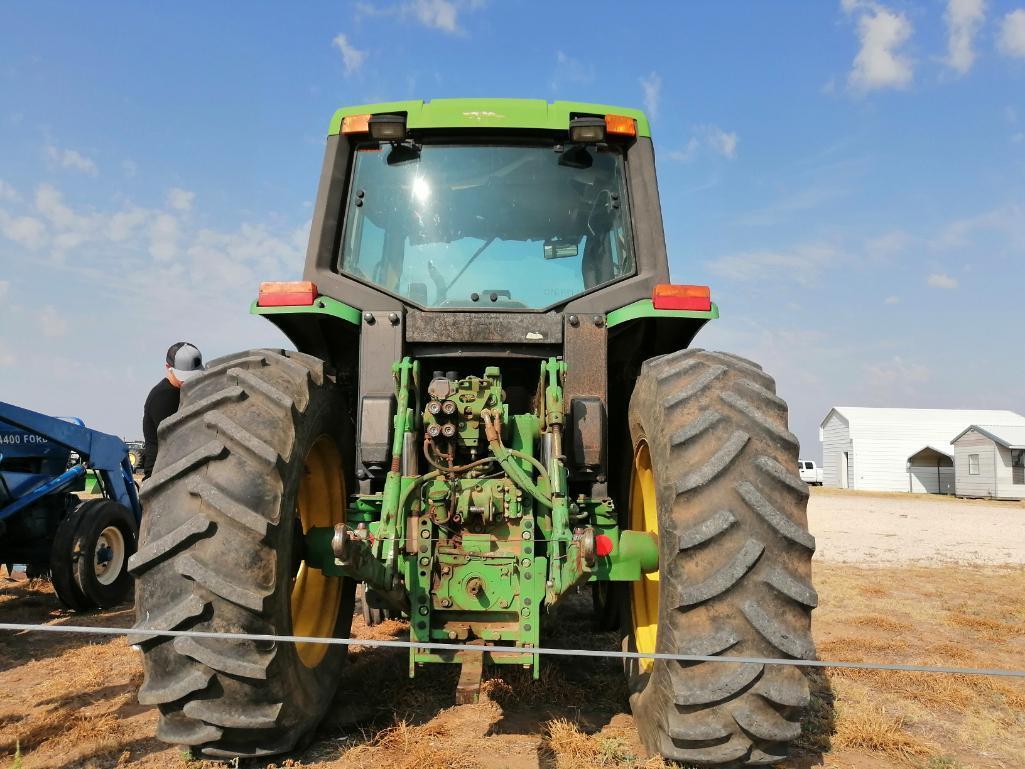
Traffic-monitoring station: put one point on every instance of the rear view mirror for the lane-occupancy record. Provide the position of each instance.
(560, 249)
(576, 156)
(403, 153)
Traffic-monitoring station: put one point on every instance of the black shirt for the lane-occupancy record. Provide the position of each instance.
(161, 402)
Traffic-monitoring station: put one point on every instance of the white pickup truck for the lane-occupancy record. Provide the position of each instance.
(810, 473)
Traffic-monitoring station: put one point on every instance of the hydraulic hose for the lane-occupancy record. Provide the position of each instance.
(505, 458)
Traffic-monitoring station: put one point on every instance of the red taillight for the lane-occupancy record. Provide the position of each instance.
(670, 297)
(602, 545)
(294, 293)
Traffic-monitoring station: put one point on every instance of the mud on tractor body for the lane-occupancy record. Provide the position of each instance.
(493, 403)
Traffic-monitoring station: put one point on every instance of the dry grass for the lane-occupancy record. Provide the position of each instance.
(405, 746)
(936, 690)
(880, 622)
(864, 725)
(565, 746)
(989, 628)
(963, 617)
(861, 649)
(72, 702)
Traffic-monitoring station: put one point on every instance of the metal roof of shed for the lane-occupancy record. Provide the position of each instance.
(957, 419)
(924, 451)
(1008, 436)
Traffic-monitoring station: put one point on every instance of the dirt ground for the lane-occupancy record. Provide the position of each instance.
(70, 701)
(890, 529)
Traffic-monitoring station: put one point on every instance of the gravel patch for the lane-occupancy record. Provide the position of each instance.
(889, 529)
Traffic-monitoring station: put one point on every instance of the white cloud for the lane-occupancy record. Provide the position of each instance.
(712, 137)
(651, 89)
(51, 323)
(71, 159)
(352, 57)
(437, 14)
(879, 62)
(433, 14)
(163, 234)
(889, 244)
(897, 373)
(1003, 226)
(892, 300)
(123, 225)
(179, 199)
(963, 18)
(801, 264)
(723, 142)
(7, 192)
(200, 294)
(24, 230)
(5, 286)
(69, 229)
(1012, 34)
(689, 151)
(570, 71)
(941, 280)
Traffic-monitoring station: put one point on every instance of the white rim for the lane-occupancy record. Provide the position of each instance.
(109, 556)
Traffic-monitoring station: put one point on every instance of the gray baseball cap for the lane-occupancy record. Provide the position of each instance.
(185, 360)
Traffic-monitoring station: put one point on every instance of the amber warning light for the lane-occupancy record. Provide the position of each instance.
(294, 293)
(667, 296)
(620, 125)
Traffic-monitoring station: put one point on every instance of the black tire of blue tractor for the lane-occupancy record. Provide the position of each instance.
(735, 562)
(62, 565)
(95, 516)
(217, 550)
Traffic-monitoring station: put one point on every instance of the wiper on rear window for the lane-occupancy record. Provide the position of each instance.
(443, 289)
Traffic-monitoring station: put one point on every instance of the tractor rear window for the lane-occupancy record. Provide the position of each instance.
(487, 226)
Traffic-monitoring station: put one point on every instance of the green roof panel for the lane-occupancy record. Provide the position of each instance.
(490, 113)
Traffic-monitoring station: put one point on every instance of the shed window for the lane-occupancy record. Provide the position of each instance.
(973, 464)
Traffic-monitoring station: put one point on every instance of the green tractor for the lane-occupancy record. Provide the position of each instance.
(493, 403)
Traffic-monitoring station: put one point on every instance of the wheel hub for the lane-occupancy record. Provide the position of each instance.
(644, 592)
(316, 597)
(109, 555)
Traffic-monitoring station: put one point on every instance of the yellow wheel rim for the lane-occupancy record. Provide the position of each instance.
(644, 592)
(316, 598)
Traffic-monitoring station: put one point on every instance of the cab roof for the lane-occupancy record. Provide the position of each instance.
(490, 113)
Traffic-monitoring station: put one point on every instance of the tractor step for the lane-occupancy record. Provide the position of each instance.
(468, 688)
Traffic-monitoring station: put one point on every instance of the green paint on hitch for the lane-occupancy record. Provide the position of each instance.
(324, 305)
(644, 308)
(489, 114)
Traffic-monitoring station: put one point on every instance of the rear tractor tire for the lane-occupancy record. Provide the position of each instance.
(711, 474)
(257, 453)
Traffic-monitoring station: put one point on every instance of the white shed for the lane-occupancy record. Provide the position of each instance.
(989, 461)
(868, 448)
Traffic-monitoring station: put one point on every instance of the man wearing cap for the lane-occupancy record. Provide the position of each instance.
(184, 360)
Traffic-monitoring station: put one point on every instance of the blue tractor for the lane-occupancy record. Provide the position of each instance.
(83, 544)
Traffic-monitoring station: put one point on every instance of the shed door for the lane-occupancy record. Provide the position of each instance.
(931, 479)
(845, 479)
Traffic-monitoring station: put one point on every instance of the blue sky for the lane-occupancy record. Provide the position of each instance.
(848, 176)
